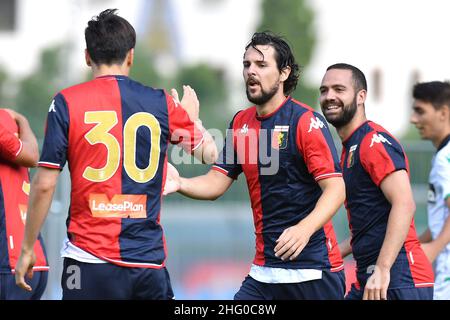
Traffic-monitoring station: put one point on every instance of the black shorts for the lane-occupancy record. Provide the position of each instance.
(330, 287)
(106, 281)
(395, 294)
(10, 291)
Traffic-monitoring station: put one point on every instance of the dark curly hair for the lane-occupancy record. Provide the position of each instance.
(283, 56)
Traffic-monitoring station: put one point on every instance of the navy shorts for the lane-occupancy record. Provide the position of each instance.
(10, 291)
(395, 294)
(106, 281)
(330, 287)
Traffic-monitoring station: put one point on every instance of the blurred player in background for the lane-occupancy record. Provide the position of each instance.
(289, 160)
(380, 205)
(114, 134)
(431, 116)
(18, 151)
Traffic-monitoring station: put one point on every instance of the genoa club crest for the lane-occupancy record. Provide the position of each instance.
(351, 156)
(280, 137)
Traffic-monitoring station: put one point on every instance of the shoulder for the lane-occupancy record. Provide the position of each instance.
(306, 114)
(77, 88)
(376, 136)
(244, 115)
(136, 85)
(300, 106)
(7, 122)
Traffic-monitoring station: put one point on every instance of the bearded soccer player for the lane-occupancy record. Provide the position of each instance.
(287, 154)
(431, 116)
(18, 151)
(389, 259)
(114, 134)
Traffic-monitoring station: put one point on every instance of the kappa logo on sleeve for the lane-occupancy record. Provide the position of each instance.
(244, 129)
(315, 124)
(378, 138)
(52, 107)
(120, 206)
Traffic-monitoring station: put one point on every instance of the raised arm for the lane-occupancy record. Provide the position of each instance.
(207, 150)
(397, 190)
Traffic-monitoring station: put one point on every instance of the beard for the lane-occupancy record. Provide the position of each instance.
(264, 97)
(342, 119)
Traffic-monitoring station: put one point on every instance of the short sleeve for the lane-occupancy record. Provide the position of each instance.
(315, 144)
(10, 144)
(54, 150)
(227, 162)
(381, 155)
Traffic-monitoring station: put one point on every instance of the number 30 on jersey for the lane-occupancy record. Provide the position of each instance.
(105, 121)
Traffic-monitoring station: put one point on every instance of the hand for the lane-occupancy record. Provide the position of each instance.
(189, 102)
(377, 285)
(25, 266)
(430, 250)
(173, 182)
(291, 242)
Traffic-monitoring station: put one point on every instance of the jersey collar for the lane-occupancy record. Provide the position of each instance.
(444, 143)
(354, 131)
(264, 117)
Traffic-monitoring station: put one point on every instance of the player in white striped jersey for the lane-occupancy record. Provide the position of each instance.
(431, 116)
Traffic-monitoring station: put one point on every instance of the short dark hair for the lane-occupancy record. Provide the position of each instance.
(283, 56)
(435, 92)
(109, 38)
(359, 79)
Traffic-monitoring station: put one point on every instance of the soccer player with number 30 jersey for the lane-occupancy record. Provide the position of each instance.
(114, 133)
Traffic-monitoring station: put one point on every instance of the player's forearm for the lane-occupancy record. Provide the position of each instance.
(332, 198)
(41, 195)
(207, 187)
(425, 237)
(345, 247)
(399, 222)
(199, 188)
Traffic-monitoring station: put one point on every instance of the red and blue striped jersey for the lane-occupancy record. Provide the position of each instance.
(114, 134)
(14, 191)
(369, 155)
(283, 155)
